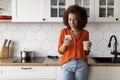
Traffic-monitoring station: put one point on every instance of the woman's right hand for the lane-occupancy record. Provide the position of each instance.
(64, 45)
(67, 42)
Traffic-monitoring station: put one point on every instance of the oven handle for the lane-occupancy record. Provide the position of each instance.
(26, 68)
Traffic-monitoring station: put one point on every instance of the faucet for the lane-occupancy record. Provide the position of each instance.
(114, 52)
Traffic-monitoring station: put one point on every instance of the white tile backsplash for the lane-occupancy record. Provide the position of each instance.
(42, 38)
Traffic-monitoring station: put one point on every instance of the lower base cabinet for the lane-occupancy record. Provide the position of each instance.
(59, 74)
(104, 73)
(54, 73)
(28, 73)
(99, 73)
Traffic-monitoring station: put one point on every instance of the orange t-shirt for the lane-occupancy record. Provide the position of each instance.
(75, 49)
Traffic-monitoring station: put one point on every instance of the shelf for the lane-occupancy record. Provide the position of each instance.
(5, 20)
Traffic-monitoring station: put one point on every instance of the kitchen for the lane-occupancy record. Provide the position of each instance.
(36, 35)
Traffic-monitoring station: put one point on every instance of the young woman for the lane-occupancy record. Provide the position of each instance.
(70, 45)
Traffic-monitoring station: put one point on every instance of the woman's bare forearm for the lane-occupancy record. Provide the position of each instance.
(62, 48)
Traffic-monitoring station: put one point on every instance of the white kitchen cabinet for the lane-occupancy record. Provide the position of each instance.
(106, 10)
(28, 73)
(5, 11)
(0, 72)
(28, 10)
(59, 73)
(104, 73)
(46, 10)
(55, 9)
(52, 10)
(38, 10)
(99, 73)
(88, 5)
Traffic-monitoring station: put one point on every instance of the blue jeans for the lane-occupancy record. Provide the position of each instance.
(75, 69)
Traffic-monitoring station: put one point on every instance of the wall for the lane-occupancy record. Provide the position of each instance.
(42, 38)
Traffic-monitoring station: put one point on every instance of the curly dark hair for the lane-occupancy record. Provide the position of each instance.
(81, 14)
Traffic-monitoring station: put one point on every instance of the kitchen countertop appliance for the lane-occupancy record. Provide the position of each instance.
(33, 60)
(26, 55)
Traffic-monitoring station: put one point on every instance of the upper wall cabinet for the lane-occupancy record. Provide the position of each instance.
(55, 9)
(52, 10)
(38, 10)
(5, 11)
(28, 10)
(106, 10)
(88, 5)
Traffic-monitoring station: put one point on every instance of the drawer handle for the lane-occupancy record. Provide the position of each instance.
(117, 19)
(26, 68)
(43, 19)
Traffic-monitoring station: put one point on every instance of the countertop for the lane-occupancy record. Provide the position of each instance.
(50, 62)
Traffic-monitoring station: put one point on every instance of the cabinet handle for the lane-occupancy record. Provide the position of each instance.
(116, 19)
(1, 72)
(43, 19)
(26, 68)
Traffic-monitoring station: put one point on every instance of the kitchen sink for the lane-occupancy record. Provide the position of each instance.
(105, 60)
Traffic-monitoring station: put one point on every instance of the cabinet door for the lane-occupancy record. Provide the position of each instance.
(55, 9)
(28, 72)
(28, 10)
(89, 6)
(0, 72)
(5, 10)
(106, 10)
(59, 73)
(104, 73)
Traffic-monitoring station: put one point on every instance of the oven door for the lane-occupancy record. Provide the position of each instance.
(28, 73)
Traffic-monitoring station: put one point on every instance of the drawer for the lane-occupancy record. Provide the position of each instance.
(29, 72)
